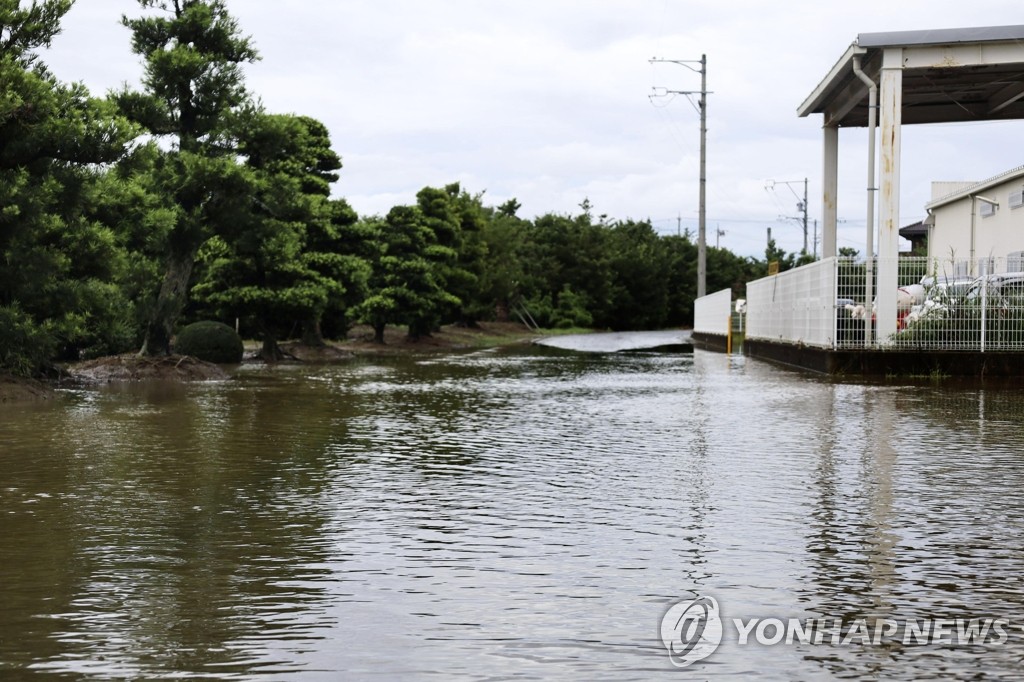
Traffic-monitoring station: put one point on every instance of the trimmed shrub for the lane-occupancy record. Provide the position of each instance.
(25, 347)
(210, 341)
(571, 310)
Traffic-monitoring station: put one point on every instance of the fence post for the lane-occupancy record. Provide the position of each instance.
(984, 308)
(835, 303)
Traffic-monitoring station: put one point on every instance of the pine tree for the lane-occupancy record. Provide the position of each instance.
(193, 54)
(58, 259)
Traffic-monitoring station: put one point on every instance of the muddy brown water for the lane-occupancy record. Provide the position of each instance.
(525, 513)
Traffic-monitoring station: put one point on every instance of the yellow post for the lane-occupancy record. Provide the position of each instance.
(728, 337)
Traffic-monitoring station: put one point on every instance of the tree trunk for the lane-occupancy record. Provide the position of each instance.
(311, 333)
(418, 329)
(378, 332)
(169, 304)
(501, 313)
(270, 351)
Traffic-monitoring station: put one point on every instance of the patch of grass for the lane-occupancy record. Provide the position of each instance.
(485, 336)
(935, 375)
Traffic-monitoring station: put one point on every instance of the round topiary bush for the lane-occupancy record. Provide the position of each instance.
(210, 341)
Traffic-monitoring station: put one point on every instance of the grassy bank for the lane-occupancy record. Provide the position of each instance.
(360, 342)
(19, 389)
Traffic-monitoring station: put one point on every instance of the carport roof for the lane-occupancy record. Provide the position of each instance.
(949, 75)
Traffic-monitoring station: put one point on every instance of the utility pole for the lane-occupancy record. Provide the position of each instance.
(702, 106)
(702, 245)
(803, 207)
(801, 204)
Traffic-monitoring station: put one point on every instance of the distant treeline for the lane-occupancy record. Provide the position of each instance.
(123, 217)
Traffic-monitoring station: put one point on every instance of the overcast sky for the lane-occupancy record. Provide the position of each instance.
(548, 101)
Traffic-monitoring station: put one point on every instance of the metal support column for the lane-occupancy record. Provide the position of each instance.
(891, 105)
(829, 191)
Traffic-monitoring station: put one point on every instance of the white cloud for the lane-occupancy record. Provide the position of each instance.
(547, 101)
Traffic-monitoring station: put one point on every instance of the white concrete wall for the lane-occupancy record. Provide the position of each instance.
(712, 313)
(796, 306)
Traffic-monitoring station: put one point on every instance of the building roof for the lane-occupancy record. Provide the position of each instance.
(978, 187)
(949, 75)
(918, 229)
(941, 36)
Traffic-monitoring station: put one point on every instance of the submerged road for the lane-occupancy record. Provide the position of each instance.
(613, 342)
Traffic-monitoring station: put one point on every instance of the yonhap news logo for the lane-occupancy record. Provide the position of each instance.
(692, 630)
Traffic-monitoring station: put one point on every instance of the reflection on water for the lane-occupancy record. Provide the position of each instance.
(526, 513)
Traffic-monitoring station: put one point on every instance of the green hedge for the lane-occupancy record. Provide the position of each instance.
(210, 341)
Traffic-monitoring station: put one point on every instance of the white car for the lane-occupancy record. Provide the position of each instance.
(945, 290)
(1005, 289)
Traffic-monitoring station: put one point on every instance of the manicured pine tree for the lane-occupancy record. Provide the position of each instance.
(260, 268)
(58, 260)
(406, 286)
(340, 248)
(193, 53)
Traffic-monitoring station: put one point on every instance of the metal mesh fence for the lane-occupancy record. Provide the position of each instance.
(941, 304)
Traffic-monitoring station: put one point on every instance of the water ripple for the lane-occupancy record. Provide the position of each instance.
(497, 514)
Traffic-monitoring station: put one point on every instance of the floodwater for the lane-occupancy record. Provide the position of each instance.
(615, 342)
(526, 513)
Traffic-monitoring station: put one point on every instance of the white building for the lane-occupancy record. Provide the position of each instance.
(978, 221)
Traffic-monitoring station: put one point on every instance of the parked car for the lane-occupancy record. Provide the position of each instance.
(941, 296)
(1004, 290)
(946, 290)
